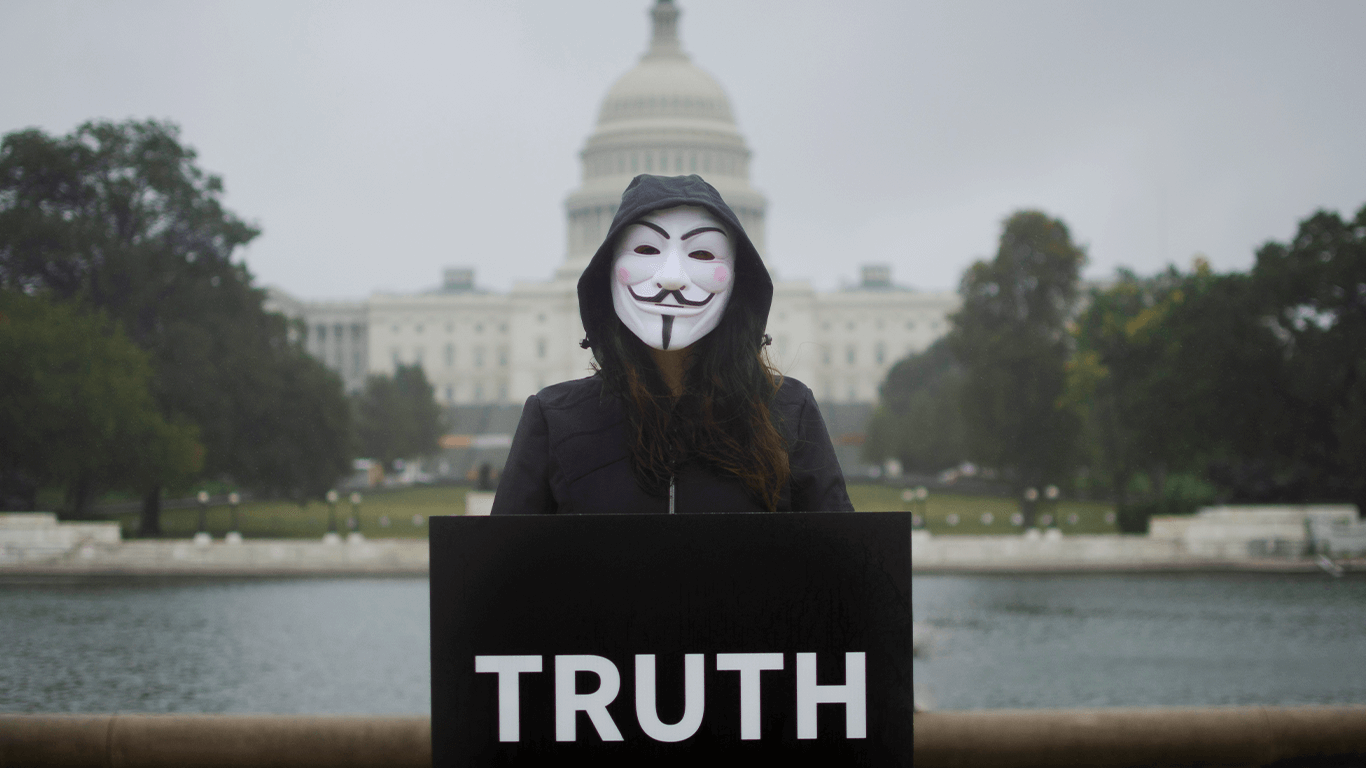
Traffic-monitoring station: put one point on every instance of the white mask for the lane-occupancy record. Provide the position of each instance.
(672, 276)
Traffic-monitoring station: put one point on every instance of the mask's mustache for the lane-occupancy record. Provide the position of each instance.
(663, 293)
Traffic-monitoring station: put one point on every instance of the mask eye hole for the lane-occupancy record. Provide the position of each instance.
(702, 255)
(647, 250)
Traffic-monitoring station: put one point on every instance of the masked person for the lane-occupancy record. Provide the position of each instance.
(684, 413)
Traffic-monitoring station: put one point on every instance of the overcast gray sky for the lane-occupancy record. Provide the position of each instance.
(376, 142)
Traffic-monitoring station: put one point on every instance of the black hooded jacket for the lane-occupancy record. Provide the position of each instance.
(571, 452)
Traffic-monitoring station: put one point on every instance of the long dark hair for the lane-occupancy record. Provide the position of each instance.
(723, 418)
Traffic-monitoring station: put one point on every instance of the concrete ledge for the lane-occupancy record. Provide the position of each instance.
(1117, 738)
(1110, 738)
(211, 741)
(252, 557)
(1099, 553)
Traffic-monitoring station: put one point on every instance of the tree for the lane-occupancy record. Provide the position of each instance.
(119, 217)
(1176, 376)
(1313, 290)
(919, 420)
(398, 416)
(76, 411)
(1011, 337)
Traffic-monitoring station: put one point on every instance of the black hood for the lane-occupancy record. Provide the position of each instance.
(753, 286)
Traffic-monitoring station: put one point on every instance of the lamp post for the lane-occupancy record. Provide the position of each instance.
(202, 536)
(1031, 496)
(235, 535)
(354, 522)
(331, 537)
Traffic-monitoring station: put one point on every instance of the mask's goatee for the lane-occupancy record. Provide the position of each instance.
(668, 329)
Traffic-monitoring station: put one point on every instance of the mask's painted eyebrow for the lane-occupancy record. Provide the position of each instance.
(700, 230)
(656, 228)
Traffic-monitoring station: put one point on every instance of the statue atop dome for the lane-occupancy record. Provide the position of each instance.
(664, 42)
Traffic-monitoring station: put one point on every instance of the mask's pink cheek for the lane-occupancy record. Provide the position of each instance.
(721, 275)
(623, 276)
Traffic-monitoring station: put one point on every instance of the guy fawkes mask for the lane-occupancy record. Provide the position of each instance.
(672, 276)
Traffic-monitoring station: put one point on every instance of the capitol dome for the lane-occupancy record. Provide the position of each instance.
(665, 116)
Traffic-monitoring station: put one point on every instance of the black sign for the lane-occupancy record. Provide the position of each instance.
(671, 638)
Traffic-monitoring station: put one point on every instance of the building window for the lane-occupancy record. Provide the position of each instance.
(880, 353)
(450, 356)
(502, 391)
(478, 327)
(322, 334)
(849, 354)
(825, 354)
(479, 357)
(357, 331)
(502, 355)
(540, 349)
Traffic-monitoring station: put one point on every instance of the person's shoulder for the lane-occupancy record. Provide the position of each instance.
(792, 405)
(792, 392)
(570, 394)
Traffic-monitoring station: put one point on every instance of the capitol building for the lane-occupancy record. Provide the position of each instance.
(665, 116)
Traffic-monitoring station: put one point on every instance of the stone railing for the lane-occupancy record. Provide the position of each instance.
(213, 741)
(34, 536)
(1119, 738)
(1099, 738)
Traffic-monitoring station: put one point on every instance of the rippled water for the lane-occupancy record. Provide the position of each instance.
(1170, 640)
(303, 645)
(361, 645)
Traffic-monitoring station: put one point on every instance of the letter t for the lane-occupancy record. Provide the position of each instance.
(749, 665)
(509, 699)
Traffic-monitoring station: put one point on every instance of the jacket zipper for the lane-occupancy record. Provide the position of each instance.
(671, 495)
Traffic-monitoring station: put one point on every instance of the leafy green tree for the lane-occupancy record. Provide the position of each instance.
(398, 416)
(1313, 290)
(919, 420)
(119, 217)
(1010, 335)
(1176, 377)
(76, 411)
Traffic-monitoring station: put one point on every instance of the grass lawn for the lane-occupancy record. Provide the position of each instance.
(283, 520)
(286, 520)
(969, 514)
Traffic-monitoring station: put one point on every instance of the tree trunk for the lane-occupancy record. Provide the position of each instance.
(1160, 486)
(78, 498)
(150, 524)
